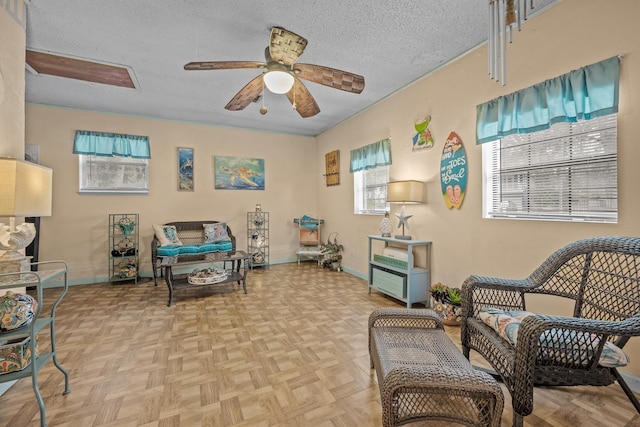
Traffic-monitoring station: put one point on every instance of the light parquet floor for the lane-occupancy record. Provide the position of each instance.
(292, 352)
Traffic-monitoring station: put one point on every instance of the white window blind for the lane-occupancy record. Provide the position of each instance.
(370, 190)
(116, 174)
(567, 172)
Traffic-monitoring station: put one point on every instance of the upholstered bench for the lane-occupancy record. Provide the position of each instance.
(189, 237)
(422, 375)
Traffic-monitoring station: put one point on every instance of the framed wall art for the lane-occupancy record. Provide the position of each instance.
(238, 173)
(423, 139)
(185, 169)
(332, 168)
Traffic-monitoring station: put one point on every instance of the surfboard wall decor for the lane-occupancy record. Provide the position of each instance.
(453, 171)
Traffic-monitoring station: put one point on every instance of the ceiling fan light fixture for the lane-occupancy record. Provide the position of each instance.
(278, 81)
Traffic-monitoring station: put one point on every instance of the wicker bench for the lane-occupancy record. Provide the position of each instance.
(189, 232)
(423, 376)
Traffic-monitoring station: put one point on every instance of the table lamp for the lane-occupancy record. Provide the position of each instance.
(404, 192)
(25, 192)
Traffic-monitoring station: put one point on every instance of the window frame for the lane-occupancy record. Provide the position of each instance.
(113, 167)
(363, 186)
(589, 150)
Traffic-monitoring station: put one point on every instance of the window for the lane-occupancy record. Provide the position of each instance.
(370, 190)
(566, 173)
(370, 168)
(116, 174)
(112, 162)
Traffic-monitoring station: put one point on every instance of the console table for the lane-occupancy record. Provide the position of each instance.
(54, 274)
(398, 278)
(176, 282)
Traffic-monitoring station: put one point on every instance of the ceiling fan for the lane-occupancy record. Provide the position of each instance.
(281, 74)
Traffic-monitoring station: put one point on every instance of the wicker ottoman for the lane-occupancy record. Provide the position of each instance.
(423, 376)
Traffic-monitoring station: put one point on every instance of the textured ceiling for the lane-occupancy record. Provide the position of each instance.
(390, 43)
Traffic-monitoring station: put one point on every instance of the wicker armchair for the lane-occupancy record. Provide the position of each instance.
(601, 275)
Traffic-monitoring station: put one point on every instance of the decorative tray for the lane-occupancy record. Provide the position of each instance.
(207, 276)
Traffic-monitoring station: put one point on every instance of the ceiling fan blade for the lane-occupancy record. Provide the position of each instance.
(247, 94)
(223, 65)
(302, 100)
(285, 46)
(331, 77)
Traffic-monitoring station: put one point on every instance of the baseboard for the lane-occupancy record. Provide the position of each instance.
(632, 381)
(5, 386)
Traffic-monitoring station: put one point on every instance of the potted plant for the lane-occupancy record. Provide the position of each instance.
(438, 291)
(447, 302)
(331, 250)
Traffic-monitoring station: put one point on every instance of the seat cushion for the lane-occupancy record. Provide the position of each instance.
(224, 245)
(189, 249)
(168, 250)
(207, 247)
(507, 323)
(201, 248)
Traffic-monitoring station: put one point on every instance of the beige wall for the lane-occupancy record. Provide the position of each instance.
(11, 91)
(12, 80)
(77, 229)
(570, 35)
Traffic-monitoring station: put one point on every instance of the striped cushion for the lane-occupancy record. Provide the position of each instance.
(202, 248)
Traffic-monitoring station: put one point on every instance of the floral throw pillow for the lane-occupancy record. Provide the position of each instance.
(166, 234)
(506, 324)
(216, 232)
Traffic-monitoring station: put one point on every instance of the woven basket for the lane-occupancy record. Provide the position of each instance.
(207, 276)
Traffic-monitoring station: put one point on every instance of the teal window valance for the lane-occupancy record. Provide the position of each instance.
(111, 144)
(371, 156)
(582, 94)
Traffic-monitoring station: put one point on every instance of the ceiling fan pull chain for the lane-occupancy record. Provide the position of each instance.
(263, 109)
(294, 97)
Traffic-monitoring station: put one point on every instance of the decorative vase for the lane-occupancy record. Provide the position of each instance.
(450, 314)
(385, 225)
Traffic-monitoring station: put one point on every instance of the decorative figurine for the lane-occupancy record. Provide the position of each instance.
(385, 225)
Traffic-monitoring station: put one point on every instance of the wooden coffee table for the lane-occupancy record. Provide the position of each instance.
(239, 261)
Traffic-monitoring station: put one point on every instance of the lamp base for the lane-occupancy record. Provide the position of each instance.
(12, 265)
(11, 255)
(14, 239)
(403, 237)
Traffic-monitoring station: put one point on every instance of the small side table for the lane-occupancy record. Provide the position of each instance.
(51, 275)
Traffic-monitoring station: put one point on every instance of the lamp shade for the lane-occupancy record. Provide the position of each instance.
(278, 81)
(405, 192)
(25, 190)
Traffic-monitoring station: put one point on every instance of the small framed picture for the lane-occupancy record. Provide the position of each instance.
(185, 169)
(332, 167)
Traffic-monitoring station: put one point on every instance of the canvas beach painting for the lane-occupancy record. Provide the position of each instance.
(238, 173)
(185, 169)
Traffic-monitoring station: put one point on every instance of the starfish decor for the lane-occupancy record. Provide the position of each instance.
(403, 220)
